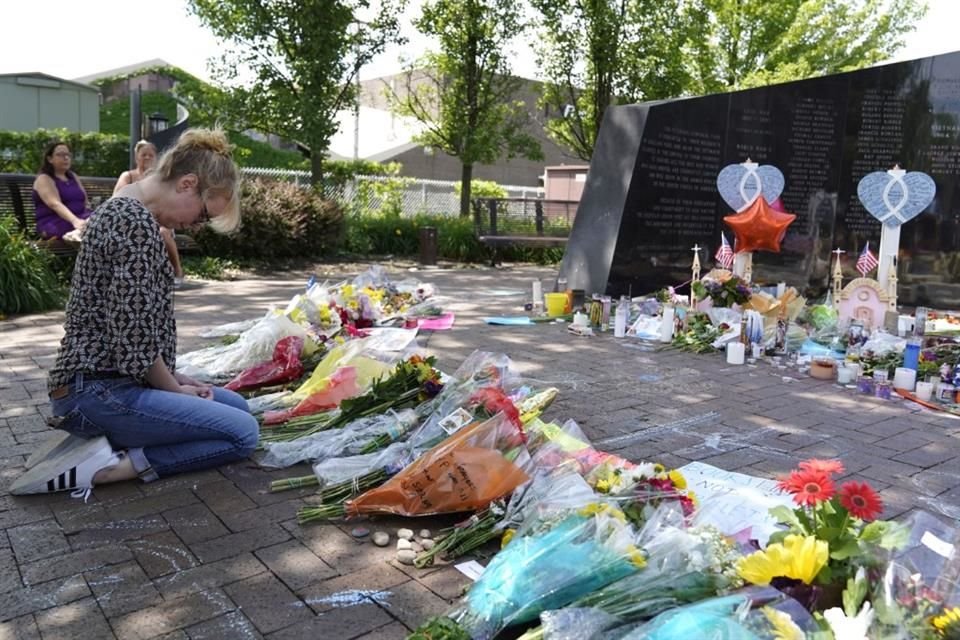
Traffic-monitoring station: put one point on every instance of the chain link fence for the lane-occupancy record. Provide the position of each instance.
(408, 196)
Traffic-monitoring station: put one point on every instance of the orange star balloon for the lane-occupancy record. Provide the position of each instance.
(759, 227)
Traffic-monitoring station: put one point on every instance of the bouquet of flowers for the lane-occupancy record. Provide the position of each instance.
(753, 613)
(284, 366)
(255, 345)
(549, 489)
(548, 564)
(364, 435)
(683, 566)
(476, 465)
(723, 293)
(917, 595)
(828, 536)
(565, 471)
(699, 335)
(411, 382)
(346, 477)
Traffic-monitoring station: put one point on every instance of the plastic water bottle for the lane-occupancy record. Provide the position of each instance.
(620, 320)
(920, 322)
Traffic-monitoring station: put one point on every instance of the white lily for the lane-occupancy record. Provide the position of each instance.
(846, 628)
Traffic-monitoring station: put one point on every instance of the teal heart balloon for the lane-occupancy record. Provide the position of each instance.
(895, 197)
(739, 186)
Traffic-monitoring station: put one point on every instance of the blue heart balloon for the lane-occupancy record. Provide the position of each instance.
(894, 200)
(739, 186)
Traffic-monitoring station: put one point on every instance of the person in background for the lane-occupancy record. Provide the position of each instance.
(145, 154)
(59, 198)
(114, 387)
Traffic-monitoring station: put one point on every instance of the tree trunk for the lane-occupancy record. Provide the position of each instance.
(466, 177)
(316, 169)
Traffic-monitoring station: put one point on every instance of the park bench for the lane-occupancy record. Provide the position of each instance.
(16, 201)
(522, 222)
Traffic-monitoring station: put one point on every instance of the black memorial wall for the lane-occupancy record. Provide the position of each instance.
(651, 191)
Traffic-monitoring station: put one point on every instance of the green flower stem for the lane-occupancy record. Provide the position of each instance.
(323, 512)
(335, 496)
(293, 483)
(461, 540)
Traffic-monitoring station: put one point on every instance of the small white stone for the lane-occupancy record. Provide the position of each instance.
(381, 538)
(404, 544)
(405, 534)
(425, 533)
(407, 556)
(416, 547)
(427, 544)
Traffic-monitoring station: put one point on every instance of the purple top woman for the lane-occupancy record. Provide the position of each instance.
(58, 197)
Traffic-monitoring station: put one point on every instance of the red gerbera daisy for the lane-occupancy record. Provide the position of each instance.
(808, 487)
(861, 500)
(822, 466)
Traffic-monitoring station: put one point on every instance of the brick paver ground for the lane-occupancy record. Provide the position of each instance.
(215, 555)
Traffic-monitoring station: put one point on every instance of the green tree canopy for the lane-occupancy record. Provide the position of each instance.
(292, 63)
(596, 53)
(464, 93)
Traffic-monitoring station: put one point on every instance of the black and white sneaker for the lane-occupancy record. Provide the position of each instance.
(72, 469)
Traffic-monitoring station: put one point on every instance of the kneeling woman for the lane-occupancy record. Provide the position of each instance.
(114, 386)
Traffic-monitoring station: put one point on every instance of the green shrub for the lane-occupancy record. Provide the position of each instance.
(207, 267)
(373, 235)
(482, 189)
(94, 154)
(28, 282)
(280, 220)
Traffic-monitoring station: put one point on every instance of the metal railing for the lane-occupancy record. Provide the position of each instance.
(524, 217)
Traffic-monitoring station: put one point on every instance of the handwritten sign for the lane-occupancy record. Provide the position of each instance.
(735, 502)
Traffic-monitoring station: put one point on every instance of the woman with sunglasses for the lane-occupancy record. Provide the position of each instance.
(114, 388)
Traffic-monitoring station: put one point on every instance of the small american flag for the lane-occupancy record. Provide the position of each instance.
(867, 262)
(724, 255)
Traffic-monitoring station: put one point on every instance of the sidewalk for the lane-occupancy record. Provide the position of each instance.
(215, 555)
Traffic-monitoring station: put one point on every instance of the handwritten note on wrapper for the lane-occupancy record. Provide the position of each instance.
(734, 502)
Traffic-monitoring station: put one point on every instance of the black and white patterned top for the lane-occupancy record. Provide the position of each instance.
(120, 311)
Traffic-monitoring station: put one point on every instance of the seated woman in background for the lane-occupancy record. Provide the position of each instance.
(58, 197)
(145, 154)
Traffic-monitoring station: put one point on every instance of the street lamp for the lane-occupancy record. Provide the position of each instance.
(157, 122)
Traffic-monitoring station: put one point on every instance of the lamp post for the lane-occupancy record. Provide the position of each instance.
(157, 122)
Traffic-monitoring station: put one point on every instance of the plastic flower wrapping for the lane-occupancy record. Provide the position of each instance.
(317, 316)
(409, 383)
(917, 595)
(480, 463)
(443, 419)
(222, 362)
(552, 561)
(363, 435)
(683, 566)
(755, 613)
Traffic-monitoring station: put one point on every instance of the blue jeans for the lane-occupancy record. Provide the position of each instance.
(163, 432)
